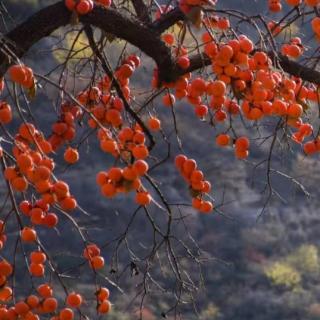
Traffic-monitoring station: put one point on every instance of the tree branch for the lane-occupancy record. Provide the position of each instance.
(47, 20)
(116, 85)
(168, 20)
(291, 67)
(142, 11)
(146, 38)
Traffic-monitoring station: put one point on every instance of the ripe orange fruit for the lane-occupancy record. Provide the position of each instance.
(196, 203)
(25, 207)
(180, 160)
(41, 173)
(113, 116)
(139, 138)
(126, 71)
(70, 4)
(74, 300)
(19, 184)
(36, 269)
(68, 203)
(43, 186)
(5, 268)
(310, 148)
(32, 301)
(223, 140)
(183, 62)
(196, 176)
(29, 81)
(211, 49)
(241, 154)
(201, 110)
(5, 113)
(27, 131)
(140, 152)
(168, 38)
(10, 173)
(311, 3)
(126, 134)
(21, 308)
(84, 7)
(28, 234)
(91, 250)
(168, 100)
(31, 316)
(21, 75)
(45, 290)
(61, 189)
(66, 314)
(97, 262)
(141, 167)
(293, 3)
(154, 124)
(129, 173)
(143, 198)
(50, 305)
(295, 110)
(104, 307)
(17, 73)
(223, 23)
(260, 58)
(51, 220)
(206, 207)
(108, 190)
(242, 144)
(3, 281)
(103, 294)
(216, 88)
(275, 5)
(197, 87)
(206, 187)
(38, 257)
(71, 155)
(5, 294)
(189, 166)
(102, 177)
(306, 129)
(115, 174)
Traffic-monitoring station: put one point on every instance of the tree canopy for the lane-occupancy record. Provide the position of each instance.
(109, 86)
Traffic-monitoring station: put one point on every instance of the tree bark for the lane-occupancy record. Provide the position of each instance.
(144, 36)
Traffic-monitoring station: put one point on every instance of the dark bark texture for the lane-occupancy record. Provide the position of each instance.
(139, 31)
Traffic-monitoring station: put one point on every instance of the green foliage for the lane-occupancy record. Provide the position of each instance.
(75, 47)
(282, 274)
(305, 259)
(302, 262)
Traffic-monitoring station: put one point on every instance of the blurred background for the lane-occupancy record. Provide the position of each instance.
(261, 258)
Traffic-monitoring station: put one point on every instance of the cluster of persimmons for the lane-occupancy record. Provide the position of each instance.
(244, 83)
(199, 188)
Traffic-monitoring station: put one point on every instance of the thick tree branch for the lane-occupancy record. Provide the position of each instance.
(146, 38)
(142, 11)
(38, 26)
(168, 20)
(296, 69)
(47, 20)
(289, 66)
